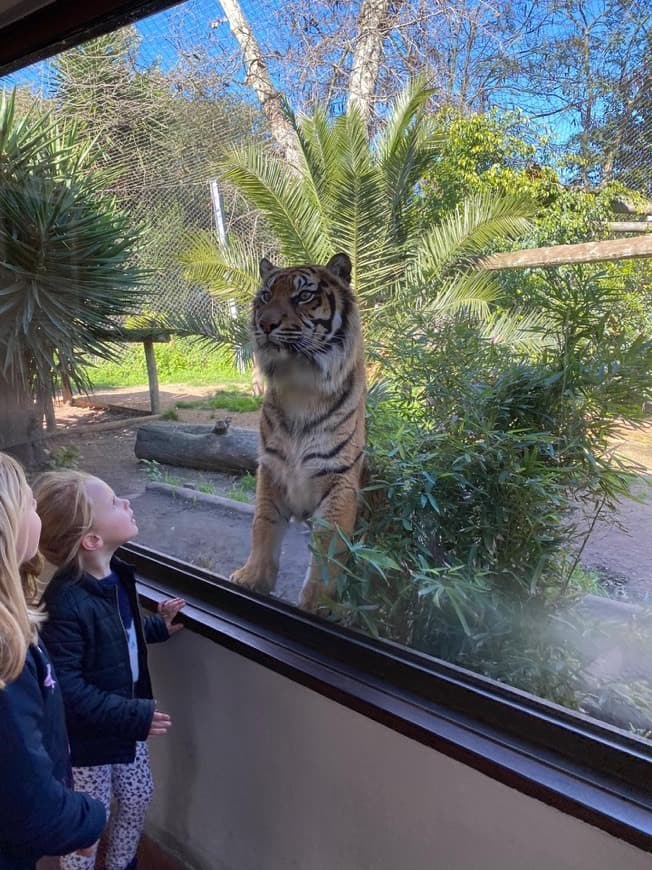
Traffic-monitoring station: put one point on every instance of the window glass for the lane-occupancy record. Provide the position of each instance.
(500, 514)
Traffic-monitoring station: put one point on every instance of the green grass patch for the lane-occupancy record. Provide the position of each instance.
(157, 474)
(243, 489)
(179, 361)
(229, 400)
(207, 488)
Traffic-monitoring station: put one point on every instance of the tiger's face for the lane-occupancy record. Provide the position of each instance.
(302, 313)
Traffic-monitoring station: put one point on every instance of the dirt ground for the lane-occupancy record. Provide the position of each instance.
(203, 534)
(110, 453)
(619, 549)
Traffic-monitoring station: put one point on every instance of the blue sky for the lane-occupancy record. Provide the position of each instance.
(200, 26)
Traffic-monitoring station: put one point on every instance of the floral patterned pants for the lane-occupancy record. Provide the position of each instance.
(126, 791)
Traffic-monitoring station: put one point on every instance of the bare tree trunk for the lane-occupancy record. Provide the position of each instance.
(46, 403)
(372, 26)
(66, 385)
(20, 424)
(258, 78)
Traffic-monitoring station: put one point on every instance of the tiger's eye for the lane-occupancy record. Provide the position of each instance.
(305, 296)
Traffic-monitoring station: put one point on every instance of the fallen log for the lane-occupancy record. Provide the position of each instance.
(197, 445)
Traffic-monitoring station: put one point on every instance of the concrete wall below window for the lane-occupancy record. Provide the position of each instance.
(259, 773)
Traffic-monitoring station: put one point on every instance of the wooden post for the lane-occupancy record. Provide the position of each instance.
(152, 376)
(560, 255)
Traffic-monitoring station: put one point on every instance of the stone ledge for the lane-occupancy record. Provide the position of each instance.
(195, 495)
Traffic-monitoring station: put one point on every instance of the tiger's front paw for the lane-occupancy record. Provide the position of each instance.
(254, 578)
(316, 597)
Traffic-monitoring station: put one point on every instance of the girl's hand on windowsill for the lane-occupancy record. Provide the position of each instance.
(168, 609)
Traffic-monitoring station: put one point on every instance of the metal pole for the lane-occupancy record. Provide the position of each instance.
(218, 217)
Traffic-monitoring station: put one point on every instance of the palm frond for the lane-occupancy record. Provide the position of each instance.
(361, 197)
(283, 200)
(67, 271)
(358, 218)
(406, 109)
(478, 224)
(528, 331)
(469, 292)
(21, 139)
(406, 146)
(229, 272)
(227, 331)
(316, 144)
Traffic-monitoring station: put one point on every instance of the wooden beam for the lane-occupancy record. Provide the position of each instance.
(562, 255)
(625, 206)
(152, 376)
(630, 226)
(127, 335)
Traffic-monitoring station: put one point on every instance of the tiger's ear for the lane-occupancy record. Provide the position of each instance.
(266, 268)
(340, 266)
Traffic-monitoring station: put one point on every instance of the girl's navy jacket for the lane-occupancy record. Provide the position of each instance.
(106, 712)
(39, 812)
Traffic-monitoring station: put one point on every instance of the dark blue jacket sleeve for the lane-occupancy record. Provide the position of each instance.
(38, 814)
(86, 704)
(155, 629)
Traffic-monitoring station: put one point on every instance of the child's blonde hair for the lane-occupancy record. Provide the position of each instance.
(18, 622)
(66, 515)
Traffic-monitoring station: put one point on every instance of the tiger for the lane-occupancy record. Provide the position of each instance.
(307, 339)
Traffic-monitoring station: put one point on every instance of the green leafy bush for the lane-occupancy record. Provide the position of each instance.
(488, 465)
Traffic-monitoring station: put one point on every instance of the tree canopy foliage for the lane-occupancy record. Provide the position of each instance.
(362, 196)
(578, 68)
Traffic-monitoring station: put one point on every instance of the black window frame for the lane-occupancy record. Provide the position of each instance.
(588, 769)
(62, 24)
(585, 768)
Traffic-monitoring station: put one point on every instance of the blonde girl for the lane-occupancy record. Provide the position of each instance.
(98, 641)
(19, 533)
(39, 813)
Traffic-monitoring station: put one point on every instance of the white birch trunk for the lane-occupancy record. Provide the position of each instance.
(258, 78)
(372, 23)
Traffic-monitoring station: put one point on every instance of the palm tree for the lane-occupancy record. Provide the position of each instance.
(362, 196)
(65, 269)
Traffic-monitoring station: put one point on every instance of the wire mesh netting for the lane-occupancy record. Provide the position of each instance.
(166, 97)
(560, 91)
